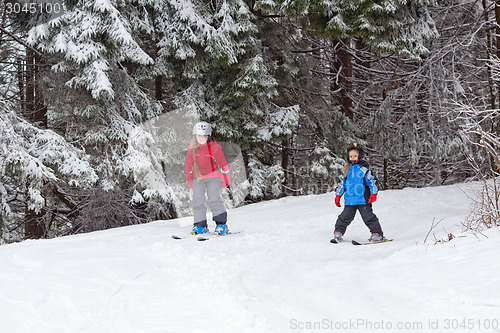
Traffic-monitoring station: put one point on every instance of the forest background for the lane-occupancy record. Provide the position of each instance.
(289, 82)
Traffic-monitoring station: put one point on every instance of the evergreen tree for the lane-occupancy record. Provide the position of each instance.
(31, 159)
(400, 26)
(351, 29)
(210, 53)
(94, 87)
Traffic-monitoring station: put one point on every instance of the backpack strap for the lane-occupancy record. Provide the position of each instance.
(211, 156)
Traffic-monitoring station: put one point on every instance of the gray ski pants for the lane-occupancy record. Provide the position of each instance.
(369, 218)
(210, 186)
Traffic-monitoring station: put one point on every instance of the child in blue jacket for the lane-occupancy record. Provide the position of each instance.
(359, 187)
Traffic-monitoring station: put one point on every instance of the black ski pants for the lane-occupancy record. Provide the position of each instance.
(366, 211)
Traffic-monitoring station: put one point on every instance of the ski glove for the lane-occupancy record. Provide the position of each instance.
(372, 198)
(337, 200)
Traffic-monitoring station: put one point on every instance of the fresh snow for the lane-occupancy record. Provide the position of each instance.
(280, 274)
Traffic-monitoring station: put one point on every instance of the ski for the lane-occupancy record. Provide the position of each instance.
(187, 236)
(205, 238)
(178, 237)
(334, 241)
(368, 243)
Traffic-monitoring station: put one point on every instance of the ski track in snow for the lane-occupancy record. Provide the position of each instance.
(280, 274)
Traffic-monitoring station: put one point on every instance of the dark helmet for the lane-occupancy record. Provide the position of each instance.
(360, 150)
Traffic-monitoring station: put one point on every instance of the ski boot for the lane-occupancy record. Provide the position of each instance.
(221, 229)
(198, 229)
(337, 237)
(375, 237)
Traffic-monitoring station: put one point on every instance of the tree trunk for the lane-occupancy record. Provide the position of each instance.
(20, 83)
(489, 47)
(159, 88)
(35, 108)
(159, 78)
(34, 227)
(386, 174)
(36, 112)
(497, 25)
(342, 86)
(40, 115)
(29, 107)
(285, 160)
(497, 21)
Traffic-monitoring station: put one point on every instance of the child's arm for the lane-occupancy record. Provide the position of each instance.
(340, 190)
(222, 166)
(189, 166)
(372, 184)
(221, 160)
(341, 186)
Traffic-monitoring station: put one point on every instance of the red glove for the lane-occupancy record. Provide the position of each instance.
(337, 200)
(372, 198)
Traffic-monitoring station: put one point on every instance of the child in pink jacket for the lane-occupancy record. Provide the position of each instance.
(207, 172)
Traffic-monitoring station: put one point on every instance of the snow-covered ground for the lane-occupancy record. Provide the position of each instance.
(280, 274)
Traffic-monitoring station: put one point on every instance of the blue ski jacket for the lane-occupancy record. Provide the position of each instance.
(358, 184)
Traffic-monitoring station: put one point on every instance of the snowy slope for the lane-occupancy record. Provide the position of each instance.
(280, 274)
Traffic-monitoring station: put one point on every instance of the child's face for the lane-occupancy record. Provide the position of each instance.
(353, 155)
(202, 139)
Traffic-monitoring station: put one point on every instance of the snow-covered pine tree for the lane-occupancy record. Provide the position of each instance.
(31, 159)
(474, 95)
(93, 88)
(406, 105)
(210, 54)
(310, 155)
(400, 26)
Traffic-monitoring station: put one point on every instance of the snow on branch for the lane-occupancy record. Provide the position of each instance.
(33, 156)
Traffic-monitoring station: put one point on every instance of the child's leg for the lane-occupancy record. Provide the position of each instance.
(345, 218)
(370, 219)
(215, 201)
(199, 208)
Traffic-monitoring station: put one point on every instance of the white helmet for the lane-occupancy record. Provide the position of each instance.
(202, 128)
